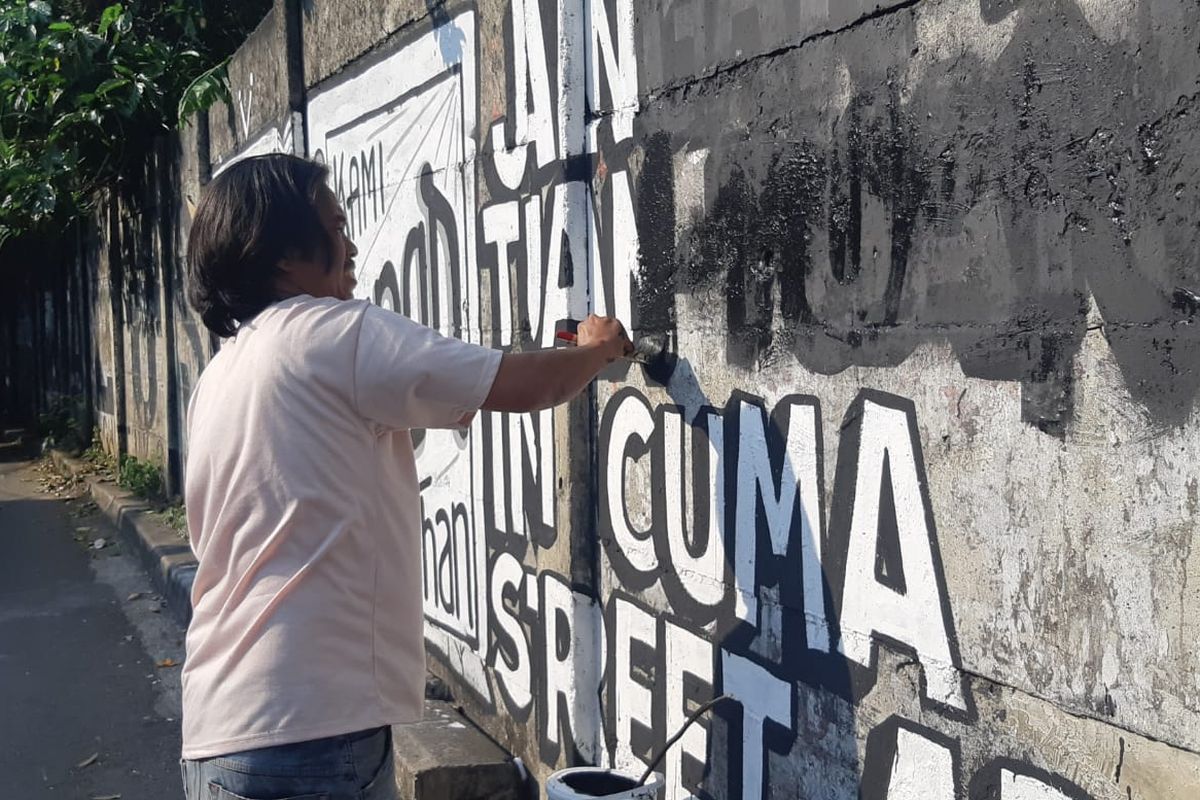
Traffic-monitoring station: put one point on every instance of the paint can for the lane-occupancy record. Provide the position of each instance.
(595, 783)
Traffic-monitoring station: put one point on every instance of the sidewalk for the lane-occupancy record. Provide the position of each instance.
(443, 757)
(88, 664)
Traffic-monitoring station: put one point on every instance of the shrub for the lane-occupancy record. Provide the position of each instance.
(59, 425)
(175, 517)
(143, 478)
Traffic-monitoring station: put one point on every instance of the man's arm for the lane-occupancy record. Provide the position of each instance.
(545, 378)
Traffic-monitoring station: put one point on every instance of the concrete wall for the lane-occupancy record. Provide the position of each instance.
(148, 344)
(97, 318)
(916, 487)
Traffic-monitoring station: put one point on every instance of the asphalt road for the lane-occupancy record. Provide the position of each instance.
(82, 636)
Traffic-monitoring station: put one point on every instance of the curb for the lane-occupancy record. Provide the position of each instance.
(167, 559)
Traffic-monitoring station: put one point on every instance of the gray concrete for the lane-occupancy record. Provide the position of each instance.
(337, 33)
(444, 757)
(77, 656)
(258, 108)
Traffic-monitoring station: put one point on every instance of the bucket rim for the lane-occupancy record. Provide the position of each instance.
(653, 784)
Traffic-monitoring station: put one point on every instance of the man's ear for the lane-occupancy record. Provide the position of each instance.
(286, 272)
(287, 264)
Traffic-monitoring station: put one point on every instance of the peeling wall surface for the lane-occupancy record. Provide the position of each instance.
(916, 487)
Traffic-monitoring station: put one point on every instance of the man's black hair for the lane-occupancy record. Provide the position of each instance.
(255, 213)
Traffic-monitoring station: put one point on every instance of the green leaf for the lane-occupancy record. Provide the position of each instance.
(79, 101)
(111, 84)
(211, 86)
(109, 16)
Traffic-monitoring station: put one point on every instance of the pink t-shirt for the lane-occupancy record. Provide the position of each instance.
(302, 504)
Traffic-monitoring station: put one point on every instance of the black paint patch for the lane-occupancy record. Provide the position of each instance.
(889, 566)
(656, 202)
(984, 207)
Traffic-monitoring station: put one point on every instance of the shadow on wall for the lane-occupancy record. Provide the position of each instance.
(731, 542)
(734, 578)
(450, 38)
(980, 199)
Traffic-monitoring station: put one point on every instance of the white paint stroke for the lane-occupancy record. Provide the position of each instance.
(685, 653)
(1024, 787)
(631, 420)
(921, 770)
(763, 697)
(633, 699)
(950, 29)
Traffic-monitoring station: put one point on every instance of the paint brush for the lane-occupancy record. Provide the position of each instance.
(649, 351)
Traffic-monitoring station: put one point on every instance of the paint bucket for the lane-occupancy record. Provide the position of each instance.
(594, 783)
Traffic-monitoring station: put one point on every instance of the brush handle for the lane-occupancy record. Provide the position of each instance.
(566, 336)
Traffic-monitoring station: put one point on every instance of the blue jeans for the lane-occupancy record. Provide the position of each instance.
(354, 766)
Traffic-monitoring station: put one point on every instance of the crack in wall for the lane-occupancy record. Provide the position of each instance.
(676, 87)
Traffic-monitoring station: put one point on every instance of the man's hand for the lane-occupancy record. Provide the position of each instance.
(545, 378)
(605, 333)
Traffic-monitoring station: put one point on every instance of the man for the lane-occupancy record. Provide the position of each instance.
(306, 639)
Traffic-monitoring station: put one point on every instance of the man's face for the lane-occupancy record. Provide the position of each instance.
(335, 279)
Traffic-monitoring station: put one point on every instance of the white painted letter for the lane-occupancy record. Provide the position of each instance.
(633, 698)
(763, 697)
(798, 479)
(921, 770)
(620, 65)
(624, 252)
(632, 419)
(576, 676)
(685, 652)
(516, 680)
(531, 88)
(501, 227)
(703, 577)
(868, 607)
(1023, 787)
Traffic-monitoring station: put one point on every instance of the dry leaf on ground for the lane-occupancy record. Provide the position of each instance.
(167, 662)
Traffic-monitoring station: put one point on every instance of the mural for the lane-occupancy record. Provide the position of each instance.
(401, 165)
(914, 487)
(735, 558)
(848, 227)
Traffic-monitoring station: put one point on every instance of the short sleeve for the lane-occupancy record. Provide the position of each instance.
(409, 376)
